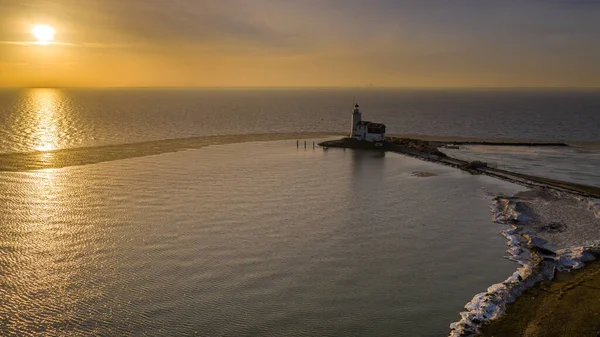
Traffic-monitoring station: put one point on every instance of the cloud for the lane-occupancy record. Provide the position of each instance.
(392, 41)
(35, 43)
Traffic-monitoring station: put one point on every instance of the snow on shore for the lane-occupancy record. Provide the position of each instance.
(548, 232)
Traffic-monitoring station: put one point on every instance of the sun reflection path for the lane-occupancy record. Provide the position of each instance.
(45, 104)
(42, 276)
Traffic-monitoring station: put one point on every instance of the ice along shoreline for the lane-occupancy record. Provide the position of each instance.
(537, 242)
(540, 246)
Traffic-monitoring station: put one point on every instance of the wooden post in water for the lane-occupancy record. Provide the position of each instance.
(313, 145)
(297, 144)
(305, 145)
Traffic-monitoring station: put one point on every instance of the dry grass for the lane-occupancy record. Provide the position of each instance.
(566, 306)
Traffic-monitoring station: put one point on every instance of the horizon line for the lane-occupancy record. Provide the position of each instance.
(304, 87)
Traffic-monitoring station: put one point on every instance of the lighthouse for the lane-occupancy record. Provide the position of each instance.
(364, 130)
(356, 119)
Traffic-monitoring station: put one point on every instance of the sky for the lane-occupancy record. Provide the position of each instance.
(298, 43)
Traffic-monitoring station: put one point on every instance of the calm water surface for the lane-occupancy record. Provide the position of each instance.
(573, 164)
(254, 239)
(258, 238)
(46, 119)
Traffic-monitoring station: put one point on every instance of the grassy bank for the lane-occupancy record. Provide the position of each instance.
(567, 306)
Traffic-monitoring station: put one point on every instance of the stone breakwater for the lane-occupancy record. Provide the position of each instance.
(541, 249)
(429, 151)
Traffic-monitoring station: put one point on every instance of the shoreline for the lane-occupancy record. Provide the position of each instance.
(564, 306)
(543, 248)
(536, 242)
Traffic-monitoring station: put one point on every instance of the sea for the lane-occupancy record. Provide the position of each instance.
(182, 212)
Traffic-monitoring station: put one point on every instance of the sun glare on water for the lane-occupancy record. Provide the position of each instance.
(43, 33)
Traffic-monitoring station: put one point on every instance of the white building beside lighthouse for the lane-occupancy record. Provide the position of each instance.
(364, 130)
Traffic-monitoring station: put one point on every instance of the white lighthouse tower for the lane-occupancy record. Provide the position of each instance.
(356, 119)
(365, 130)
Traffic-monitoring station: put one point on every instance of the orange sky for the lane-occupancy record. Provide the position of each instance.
(428, 43)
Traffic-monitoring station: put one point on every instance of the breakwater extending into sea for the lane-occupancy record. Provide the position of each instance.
(429, 150)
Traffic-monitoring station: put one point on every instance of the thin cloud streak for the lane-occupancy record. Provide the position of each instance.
(69, 44)
(317, 42)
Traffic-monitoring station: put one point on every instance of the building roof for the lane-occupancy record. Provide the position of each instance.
(374, 125)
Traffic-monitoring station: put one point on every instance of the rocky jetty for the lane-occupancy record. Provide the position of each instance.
(429, 151)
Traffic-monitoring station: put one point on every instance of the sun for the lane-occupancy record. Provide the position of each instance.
(43, 33)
